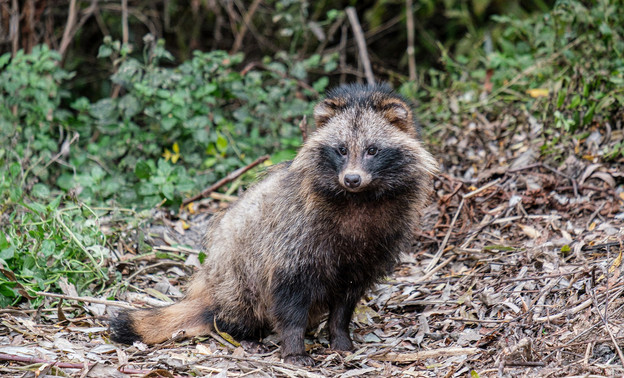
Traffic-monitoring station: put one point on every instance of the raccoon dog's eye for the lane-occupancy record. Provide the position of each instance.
(372, 151)
(342, 150)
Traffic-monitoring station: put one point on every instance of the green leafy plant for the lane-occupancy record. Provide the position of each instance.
(565, 65)
(217, 118)
(165, 132)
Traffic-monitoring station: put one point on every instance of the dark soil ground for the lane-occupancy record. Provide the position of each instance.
(516, 272)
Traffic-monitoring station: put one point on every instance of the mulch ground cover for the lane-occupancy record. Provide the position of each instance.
(516, 272)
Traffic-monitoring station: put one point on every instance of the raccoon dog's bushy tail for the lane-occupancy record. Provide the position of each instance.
(192, 315)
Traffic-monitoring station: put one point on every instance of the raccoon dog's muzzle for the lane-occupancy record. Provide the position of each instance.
(354, 180)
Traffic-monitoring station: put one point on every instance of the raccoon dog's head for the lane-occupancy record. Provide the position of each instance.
(366, 145)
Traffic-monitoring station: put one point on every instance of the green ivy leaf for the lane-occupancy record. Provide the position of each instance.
(168, 191)
(48, 247)
(105, 51)
(40, 191)
(222, 143)
(7, 253)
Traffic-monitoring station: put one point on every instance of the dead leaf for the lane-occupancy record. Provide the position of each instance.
(65, 345)
(468, 336)
(238, 352)
(537, 92)
(157, 294)
(179, 227)
(466, 297)
(370, 338)
(122, 357)
(102, 371)
(158, 373)
(423, 328)
(225, 335)
(604, 176)
(202, 349)
(30, 351)
(530, 231)
(616, 263)
(59, 311)
(67, 288)
(358, 372)
(364, 315)
(588, 172)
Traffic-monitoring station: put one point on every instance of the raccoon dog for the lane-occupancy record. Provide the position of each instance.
(311, 237)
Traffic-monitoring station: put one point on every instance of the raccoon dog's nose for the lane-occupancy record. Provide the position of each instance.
(352, 181)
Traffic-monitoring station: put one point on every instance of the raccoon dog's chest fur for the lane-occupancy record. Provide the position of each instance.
(311, 237)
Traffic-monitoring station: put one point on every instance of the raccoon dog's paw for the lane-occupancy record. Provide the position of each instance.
(341, 343)
(299, 359)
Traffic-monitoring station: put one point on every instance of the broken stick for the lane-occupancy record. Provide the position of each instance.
(361, 42)
(229, 178)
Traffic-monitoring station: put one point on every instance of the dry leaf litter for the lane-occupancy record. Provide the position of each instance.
(516, 272)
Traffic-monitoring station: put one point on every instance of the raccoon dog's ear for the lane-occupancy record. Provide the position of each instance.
(325, 110)
(398, 114)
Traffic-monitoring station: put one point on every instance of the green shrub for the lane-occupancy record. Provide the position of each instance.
(166, 132)
(215, 118)
(575, 52)
(565, 66)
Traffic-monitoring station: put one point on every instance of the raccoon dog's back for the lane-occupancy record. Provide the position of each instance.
(311, 237)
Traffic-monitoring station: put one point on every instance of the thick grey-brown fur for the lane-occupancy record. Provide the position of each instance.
(301, 243)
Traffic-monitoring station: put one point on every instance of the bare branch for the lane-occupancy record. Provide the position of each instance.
(69, 26)
(359, 38)
(246, 21)
(231, 177)
(411, 58)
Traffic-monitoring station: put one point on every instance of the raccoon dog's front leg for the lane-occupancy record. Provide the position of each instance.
(340, 313)
(291, 304)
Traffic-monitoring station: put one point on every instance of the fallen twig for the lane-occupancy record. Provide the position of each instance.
(438, 254)
(87, 299)
(156, 265)
(539, 278)
(553, 170)
(524, 363)
(435, 270)
(68, 365)
(603, 318)
(167, 248)
(583, 305)
(416, 356)
(64, 149)
(571, 311)
(230, 177)
(442, 247)
(273, 364)
(583, 334)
